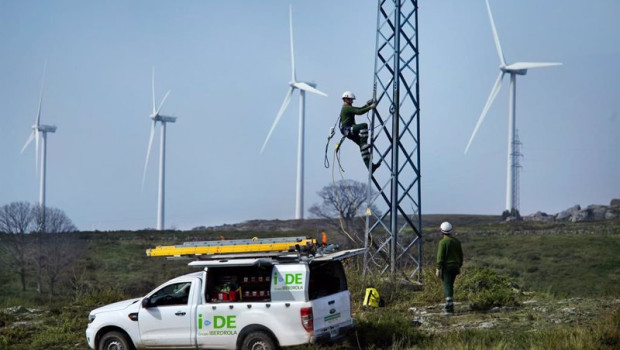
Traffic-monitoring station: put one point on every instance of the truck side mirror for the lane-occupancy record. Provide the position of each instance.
(146, 303)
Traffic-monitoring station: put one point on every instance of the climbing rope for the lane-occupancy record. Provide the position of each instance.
(338, 200)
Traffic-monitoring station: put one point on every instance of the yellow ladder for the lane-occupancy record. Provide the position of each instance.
(238, 246)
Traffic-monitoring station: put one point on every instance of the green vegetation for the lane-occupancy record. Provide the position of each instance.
(523, 286)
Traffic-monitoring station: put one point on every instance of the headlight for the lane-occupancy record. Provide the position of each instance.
(91, 318)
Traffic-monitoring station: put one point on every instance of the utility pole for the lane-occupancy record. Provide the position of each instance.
(394, 233)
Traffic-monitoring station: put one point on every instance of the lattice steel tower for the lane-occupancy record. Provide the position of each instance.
(394, 234)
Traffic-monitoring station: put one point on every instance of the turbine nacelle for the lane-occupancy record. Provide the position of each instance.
(163, 118)
(507, 69)
(45, 128)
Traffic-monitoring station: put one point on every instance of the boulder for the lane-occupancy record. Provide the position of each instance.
(597, 212)
(17, 310)
(582, 215)
(539, 216)
(568, 213)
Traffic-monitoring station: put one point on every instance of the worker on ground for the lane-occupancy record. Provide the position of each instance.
(449, 262)
(357, 133)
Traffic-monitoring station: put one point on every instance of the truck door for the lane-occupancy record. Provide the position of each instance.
(165, 318)
(329, 295)
(218, 325)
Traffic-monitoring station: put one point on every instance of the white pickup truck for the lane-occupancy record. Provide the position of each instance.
(250, 303)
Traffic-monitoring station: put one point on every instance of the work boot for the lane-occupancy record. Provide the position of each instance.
(449, 309)
(375, 166)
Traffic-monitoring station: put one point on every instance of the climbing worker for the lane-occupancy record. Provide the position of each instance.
(449, 262)
(357, 133)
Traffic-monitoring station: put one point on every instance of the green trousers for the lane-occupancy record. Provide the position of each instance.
(448, 275)
(358, 133)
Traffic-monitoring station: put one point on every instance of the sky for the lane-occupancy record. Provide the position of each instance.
(228, 66)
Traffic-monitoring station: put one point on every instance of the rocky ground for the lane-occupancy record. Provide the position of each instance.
(576, 213)
(531, 315)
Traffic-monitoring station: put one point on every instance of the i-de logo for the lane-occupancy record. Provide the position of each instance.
(288, 278)
(219, 322)
(289, 281)
(292, 278)
(277, 278)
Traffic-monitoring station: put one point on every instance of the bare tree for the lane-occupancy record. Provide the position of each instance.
(16, 220)
(344, 206)
(56, 221)
(58, 255)
(54, 251)
(78, 280)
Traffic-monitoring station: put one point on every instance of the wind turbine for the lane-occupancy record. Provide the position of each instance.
(514, 69)
(302, 87)
(163, 119)
(40, 130)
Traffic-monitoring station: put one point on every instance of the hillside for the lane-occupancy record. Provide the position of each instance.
(318, 225)
(563, 280)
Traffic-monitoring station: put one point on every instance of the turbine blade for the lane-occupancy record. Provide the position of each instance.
(36, 159)
(292, 45)
(162, 102)
(153, 88)
(148, 152)
(304, 86)
(498, 46)
(530, 65)
(494, 91)
(30, 138)
(287, 100)
(38, 121)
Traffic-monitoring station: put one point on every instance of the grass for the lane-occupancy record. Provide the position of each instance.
(562, 266)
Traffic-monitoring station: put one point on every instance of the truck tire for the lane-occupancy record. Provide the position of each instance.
(114, 341)
(258, 341)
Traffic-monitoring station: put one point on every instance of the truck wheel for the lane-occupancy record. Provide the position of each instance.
(258, 341)
(114, 341)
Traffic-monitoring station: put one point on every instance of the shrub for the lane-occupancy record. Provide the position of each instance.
(101, 297)
(485, 289)
(384, 329)
(432, 292)
(607, 333)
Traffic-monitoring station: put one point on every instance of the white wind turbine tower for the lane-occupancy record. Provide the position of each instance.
(514, 69)
(302, 87)
(40, 130)
(163, 119)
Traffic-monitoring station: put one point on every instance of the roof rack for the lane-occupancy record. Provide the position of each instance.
(238, 248)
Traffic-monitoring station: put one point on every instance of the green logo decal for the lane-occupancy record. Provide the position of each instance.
(289, 281)
(222, 325)
(224, 322)
(331, 317)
